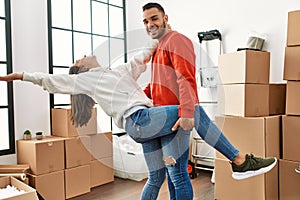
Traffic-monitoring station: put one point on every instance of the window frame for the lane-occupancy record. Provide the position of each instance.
(108, 36)
(10, 102)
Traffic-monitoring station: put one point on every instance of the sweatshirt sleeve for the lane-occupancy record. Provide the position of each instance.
(138, 62)
(54, 83)
(183, 59)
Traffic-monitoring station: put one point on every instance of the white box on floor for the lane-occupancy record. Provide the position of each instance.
(129, 161)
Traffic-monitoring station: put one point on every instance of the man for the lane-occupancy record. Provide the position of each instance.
(173, 83)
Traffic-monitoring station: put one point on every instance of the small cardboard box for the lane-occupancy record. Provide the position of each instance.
(50, 186)
(77, 151)
(245, 100)
(290, 137)
(30, 193)
(292, 98)
(277, 96)
(259, 135)
(263, 186)
(77, 181)
(289, 180)
(292, 63)
(101, 145)
(293, 29)
(102, 171)
(43, 156)
(245, 66)
(62, 125)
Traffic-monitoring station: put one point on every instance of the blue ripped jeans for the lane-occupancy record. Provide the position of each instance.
(152, 128)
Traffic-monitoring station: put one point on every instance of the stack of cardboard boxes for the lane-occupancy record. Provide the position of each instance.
(289, 170)
(252, 110)
(71, 161)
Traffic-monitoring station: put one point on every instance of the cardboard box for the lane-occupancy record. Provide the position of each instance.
(77, 181)
(262, 187)
(293, 29)
(62, 125)
(245, 66)
(102, 171)
(289, 180)
(277, 96)
(290, 137)
(245, 100)
(292, 63)
(77, 151)
(101, 145)
(292, 98)
(30, 193)
(50, 186)
(259, 135)
(43, 156)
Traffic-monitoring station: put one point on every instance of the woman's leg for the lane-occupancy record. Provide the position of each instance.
(157, 171)
(147, 124)
(150, 123)
(212, 135)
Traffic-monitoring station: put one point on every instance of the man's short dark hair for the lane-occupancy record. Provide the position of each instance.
(153, 5)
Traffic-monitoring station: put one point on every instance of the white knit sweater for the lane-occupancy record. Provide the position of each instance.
(115, 90)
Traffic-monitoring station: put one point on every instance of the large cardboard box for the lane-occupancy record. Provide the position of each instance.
(290, 137)
(277, 96)
(292, 98)
(245, 66)
(43, 156)
(77, 181)
(101, 145)
(259, 135)
(245, 100)
(293, 30)
(30, 193)
(262, 187)
(289, 180)
(77, 151)
(102, 171)
(292, 63)
(50, 186)
(62, 125)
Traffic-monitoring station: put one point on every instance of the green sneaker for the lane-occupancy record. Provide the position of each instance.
(253, 166)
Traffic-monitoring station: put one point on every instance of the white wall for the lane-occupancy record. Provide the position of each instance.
(30, 53)
(233, 18)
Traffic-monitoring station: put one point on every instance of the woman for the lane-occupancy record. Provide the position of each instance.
(119, 95)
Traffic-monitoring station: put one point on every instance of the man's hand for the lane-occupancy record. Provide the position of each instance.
(12, 77)
(185, 123)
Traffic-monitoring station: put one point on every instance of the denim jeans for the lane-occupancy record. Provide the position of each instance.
(152, 128)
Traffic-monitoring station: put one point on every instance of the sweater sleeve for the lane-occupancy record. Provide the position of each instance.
(54, 83)
(183, 59)
(138, 62)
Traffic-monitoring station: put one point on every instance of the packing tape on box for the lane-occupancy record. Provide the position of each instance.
(22, 176)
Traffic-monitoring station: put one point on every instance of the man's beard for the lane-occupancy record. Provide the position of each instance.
(160, 32)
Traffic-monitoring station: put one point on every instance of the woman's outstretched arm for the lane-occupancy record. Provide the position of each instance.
(12, 77)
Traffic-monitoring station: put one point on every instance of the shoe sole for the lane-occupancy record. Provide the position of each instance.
(248, 174)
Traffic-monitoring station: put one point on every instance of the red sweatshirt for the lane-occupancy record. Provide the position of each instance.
(173, 79)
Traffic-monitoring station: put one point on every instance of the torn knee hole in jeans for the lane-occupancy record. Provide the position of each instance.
(169, 160)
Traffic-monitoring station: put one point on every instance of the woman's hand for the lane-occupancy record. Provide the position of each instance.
(12, 77)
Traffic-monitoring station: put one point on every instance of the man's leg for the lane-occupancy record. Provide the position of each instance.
(175, 149)
(157, 171)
